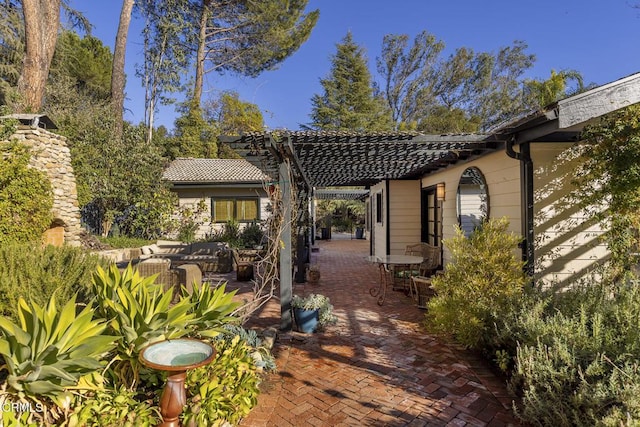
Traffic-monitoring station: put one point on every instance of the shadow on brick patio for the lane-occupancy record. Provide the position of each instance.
(378, 366)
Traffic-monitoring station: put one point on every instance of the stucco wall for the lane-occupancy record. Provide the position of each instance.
(50, 154)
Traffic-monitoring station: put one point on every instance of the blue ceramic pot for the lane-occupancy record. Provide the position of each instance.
(307, 320)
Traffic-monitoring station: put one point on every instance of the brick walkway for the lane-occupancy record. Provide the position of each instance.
(377, 367)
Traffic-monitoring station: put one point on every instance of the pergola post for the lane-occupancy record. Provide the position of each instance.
(286, 279)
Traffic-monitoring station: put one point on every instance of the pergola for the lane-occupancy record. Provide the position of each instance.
(317, 160)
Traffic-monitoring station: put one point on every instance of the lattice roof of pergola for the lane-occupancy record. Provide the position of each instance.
(324, 159)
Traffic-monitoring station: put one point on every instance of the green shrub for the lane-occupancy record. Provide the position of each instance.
(481, 285)
(115, 406)
(577, 363)
(121, 242)
(26, 198)
(37, 273)
(226, 389)
(252, 235)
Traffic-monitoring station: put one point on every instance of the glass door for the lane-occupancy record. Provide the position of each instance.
(431, 230)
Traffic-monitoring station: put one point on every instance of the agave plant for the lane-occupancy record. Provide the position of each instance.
(212, 309)
(139, 311)
(51, 349)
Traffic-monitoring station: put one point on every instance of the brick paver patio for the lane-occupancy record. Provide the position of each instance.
(378, 366)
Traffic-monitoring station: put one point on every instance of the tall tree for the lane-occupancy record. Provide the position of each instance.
(41, 22)
(348, 102)
(118, 78)
(11, 48)
(232, 116)
(86, 61)
(463, 92)
(167, 34)
(495, 92)
(407, 73)
(248, 37)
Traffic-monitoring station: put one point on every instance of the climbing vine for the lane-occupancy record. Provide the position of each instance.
(26, 198)
(609, 176)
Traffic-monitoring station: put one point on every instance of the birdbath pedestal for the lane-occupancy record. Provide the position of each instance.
(175, 357)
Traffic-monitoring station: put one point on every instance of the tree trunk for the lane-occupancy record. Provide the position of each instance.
(200, 57)
(41, 21)
(118, 78)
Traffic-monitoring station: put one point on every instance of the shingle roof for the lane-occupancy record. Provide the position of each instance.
(188, 170)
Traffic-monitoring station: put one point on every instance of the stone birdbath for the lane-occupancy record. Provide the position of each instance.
(175, 357)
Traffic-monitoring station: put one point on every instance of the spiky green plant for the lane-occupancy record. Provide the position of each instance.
(50, 349)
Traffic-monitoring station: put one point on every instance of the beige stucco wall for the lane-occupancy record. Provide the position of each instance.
(502, 174)
(191, 197)
(567, 245)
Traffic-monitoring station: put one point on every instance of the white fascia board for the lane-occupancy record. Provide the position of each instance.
(599, 101)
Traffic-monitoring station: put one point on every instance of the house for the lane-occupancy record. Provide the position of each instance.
(523, 179)
(421, 186)
(232, 190)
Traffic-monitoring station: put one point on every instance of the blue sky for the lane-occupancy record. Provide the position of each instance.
(599, 38)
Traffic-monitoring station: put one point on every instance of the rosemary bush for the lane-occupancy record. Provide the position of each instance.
(37, 274)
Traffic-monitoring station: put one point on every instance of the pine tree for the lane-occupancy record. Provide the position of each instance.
(348, 102)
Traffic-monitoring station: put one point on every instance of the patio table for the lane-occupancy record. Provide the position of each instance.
(384, 262)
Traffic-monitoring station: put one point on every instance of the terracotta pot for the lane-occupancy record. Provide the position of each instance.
(313, 277)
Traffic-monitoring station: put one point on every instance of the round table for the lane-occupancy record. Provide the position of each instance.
(384, 262)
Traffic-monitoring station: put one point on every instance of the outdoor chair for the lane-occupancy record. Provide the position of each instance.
(421, 290)
(431, 261)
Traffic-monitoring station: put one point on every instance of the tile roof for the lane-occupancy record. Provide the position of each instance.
(189, 170)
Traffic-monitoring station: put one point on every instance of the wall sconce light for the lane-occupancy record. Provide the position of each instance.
(440, 191)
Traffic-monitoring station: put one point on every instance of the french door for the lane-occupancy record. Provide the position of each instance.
(431, 229)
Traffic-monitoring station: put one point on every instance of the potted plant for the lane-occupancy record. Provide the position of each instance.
(312, 312)
(313, 275)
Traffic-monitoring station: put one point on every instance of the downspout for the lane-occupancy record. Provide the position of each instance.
(526, 182)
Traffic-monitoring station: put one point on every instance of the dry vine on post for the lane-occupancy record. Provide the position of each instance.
(267, 269)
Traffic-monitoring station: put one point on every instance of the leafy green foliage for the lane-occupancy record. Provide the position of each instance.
(193, 136)
(255, 36)
(577, 358)
(261, 353)
(87, 61)
(465, 92)
(51, 349)
(119, 406)
(26, 198)
(252, 235)
(610, 175)
(121, 242)
(483, 282)
(52, 272)
(224, 390)
(544, 92)
(348, 102)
